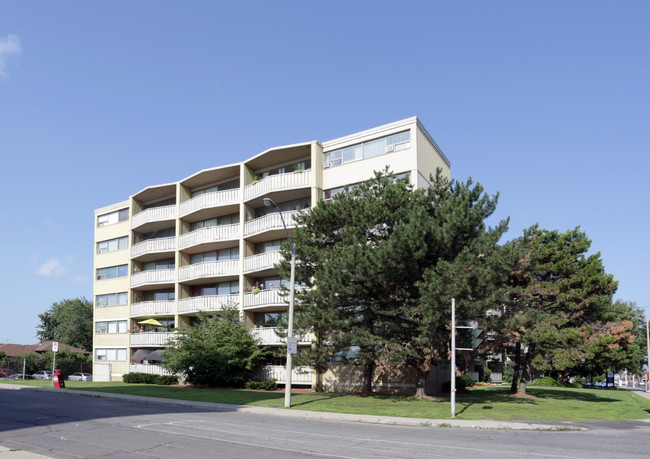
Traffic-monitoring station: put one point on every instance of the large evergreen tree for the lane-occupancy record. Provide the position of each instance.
(556, 301)
(365, 254)
(68, 321)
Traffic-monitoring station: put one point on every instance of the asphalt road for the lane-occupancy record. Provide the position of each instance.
(64, 426)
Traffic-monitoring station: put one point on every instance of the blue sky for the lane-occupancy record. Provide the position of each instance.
(547, 103)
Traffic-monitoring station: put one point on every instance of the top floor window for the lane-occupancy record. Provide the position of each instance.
(220, 187)
(162, 203)
(303, 165)
(368, 149)
(113, 217)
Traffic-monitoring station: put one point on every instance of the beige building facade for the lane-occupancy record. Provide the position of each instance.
(208, 241)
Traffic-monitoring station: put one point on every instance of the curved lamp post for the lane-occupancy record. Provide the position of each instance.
(292, 290)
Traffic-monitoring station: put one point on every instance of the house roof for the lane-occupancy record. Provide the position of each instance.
(15, 350)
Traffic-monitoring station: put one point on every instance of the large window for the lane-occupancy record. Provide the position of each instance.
(111, 299)
(303, 165)
(368, 149)
(230, 219)
(158, 295)
(116, 354)
(167, 263)
(267, 319)
(222, 288)
(113, 326)
(231, 253)
(162, 203)
(113, 244)
(112, 272)
(286, 206)
(167, 232)
(113, 217)
(269, 246)
(220, 187)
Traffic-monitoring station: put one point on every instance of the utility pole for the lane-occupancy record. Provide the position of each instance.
(453, 358)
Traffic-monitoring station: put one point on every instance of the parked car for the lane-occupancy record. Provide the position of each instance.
(80, 377)
(43, 374)
(6, 372)
(20, 376)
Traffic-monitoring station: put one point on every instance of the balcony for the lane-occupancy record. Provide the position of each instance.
(209, 235)
(210, 200)
(268, 337)
(279, 182)
(299, 375)
(148, 369)
(262, 261)
(154, 276)
(264, 298)
(150, 338)
(153, 215)
(149, 308)
(153, 246)
(209, 269)
(207, 303)
(270, 222)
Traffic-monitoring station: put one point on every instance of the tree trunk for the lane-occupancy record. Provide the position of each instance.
(515, 373)
(526, 373)
(368, 371)
(421, 384)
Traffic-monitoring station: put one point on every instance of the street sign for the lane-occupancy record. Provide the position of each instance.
(292, 345)
(55, 346)
(476, 339)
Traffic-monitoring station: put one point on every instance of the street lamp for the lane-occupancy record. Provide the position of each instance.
(268, 202)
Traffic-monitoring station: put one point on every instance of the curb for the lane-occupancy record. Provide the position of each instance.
(320, 415)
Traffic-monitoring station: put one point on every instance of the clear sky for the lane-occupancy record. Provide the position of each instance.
(547, 103)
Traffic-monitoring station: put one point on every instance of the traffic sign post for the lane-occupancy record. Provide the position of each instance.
(55, 348)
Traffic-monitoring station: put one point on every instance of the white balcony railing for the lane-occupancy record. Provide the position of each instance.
(146, 308)
(211, 234)
(154, 214)
(209, 269)
(269, 337)
(150, 338)
(209, 200)
(154, 276)
(270, 222)
(278, 182)
(264, 298)
(149, 369)
(299, 375)
(207, 303)
(261, 261)
(164, 244)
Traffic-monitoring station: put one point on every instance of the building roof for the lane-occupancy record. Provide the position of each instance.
(15, 350)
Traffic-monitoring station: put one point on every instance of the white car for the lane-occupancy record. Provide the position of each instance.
(80, 377)
(43, 374)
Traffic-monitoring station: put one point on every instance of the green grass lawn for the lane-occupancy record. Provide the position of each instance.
(547, 403)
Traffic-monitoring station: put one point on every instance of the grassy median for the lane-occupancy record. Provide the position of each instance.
(546, 403)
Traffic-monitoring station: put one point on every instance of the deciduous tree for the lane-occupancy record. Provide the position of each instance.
(68, 321)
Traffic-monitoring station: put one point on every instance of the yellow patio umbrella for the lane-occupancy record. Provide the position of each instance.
(151, 322)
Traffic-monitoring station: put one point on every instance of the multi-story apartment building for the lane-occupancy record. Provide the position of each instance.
(208, 240)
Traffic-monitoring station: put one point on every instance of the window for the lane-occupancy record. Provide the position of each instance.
(162, 203)
(111, 354)
(158, 295)
(167, 232)
(230, 219)
(112, 272)
(220, 187)
(267, 319)
(286, 206)
(167, 263)
(113, 244)
(222, 288)
(303, 165)
(270, 246)
(111, 299)
(231, 253)
(368, 149)
(113, 217)
(270, 282)
(114, 326)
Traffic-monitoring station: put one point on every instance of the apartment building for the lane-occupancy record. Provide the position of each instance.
(208, 240)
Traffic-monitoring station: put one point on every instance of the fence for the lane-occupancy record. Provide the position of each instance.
(33, 364)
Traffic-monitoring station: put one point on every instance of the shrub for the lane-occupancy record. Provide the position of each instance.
(461, 383)
(469, 382)
(269, 384)
(545, 381)
(484, 374)
(145, 378)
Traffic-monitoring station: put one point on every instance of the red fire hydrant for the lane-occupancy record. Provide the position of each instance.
(59, 382)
